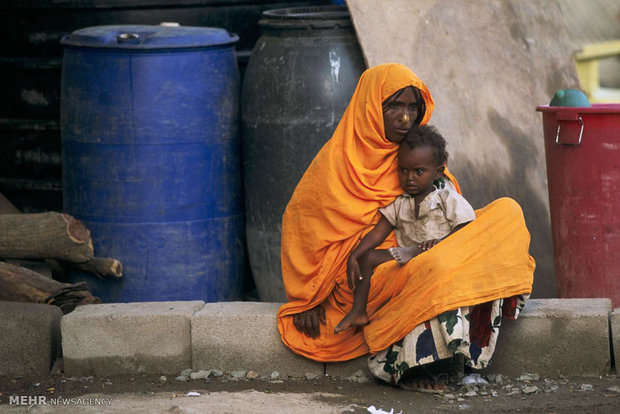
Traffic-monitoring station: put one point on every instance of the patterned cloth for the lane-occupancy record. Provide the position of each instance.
(470, 331)
(439, 213)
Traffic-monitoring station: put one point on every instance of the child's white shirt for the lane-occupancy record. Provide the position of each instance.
(439, 213)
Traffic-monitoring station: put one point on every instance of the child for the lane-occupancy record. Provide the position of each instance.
(421, 217)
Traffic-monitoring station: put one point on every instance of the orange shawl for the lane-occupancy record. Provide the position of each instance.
(335, 204)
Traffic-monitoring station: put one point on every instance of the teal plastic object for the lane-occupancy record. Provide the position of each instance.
(569, 97)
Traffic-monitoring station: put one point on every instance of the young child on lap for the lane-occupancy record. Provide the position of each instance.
(421, 217)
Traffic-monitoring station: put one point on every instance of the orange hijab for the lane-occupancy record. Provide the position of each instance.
(355, 171)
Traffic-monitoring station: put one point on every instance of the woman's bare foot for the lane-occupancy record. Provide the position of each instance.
(352, 319)
(424, 384)
(403, 254)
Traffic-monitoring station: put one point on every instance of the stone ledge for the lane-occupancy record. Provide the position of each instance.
(30, 340)
(244, 335)
(128, 338)
(349, 369)
(554, 337)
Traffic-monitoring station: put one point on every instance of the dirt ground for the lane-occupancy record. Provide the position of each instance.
(154, 394)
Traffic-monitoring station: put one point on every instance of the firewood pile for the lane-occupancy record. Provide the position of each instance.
(60, 240)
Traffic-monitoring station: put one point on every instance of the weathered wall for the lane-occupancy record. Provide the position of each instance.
(488, 64)
(594, 21)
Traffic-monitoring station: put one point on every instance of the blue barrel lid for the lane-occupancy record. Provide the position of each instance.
(145, 37)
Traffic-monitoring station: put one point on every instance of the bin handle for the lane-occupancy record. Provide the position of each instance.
(557, 135)
(128, 38)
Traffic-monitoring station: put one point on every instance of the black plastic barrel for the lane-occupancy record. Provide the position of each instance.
(151, 158)
(301, 74)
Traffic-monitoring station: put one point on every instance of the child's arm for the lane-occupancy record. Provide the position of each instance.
(371, 240)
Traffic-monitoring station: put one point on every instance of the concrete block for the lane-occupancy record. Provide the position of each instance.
(615, 335)
(554, 337)
(30, 340)
(128, 338)
(244, 335)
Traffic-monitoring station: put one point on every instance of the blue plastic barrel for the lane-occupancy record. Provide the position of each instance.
(151, 158)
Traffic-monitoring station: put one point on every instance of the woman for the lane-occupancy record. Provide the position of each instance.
(335, 204)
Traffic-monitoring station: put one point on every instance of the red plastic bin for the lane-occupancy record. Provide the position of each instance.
(582, 149)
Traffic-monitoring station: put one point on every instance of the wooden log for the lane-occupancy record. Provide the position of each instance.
(42, 267)
(19, 284)
(48, 235)
(102, 267)
(6, 207)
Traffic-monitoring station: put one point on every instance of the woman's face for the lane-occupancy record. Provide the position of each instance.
(399, 113)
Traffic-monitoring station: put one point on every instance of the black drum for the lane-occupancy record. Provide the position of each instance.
(298, 82)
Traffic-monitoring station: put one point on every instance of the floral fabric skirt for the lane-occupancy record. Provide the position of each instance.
(470, 331)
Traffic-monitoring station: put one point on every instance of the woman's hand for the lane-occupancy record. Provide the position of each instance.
(308, 322)
(353, 271)
(425, 245)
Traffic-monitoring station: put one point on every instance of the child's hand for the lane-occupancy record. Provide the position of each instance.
(425, 245)
(353, 272)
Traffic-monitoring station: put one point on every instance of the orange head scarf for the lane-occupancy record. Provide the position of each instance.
(352, 176)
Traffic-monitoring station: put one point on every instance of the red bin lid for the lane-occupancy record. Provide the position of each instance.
(594, 109)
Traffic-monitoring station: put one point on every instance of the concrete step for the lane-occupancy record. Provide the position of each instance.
(552, 337)
(30, 340)
(128, 338)
(230, 336)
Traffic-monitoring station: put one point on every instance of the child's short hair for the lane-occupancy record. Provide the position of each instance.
(426, 135)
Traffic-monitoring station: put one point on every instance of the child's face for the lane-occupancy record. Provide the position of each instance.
(417, 169)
